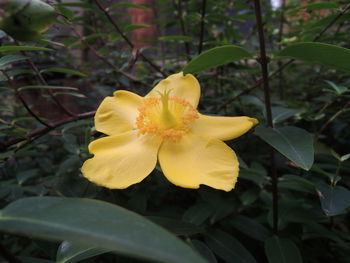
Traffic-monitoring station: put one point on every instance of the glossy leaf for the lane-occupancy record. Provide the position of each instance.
(334, 199)
(90, 223)
(324, 54)
(216, 57)
(250, 227)
(69, 253)
(280, 250)
(294, 143)
(228, 248)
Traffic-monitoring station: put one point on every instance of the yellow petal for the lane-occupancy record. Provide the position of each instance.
(121, 160)
(222, 128)
(196, 160)
(185, 87)
(118, 114)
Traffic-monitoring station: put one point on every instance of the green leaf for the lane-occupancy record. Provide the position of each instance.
(132, 27)
(250, 227)
(6, 60)
(280, 250)
(65, 70)
(280, 114)
(23, 48)
(176, 226)
(95, 223)
(294, 143)
(46, 87)
(216, 57)
(204, 250)
(334, 199)
(324, 54)
(176, 38)
(69, 253)
(228, 248)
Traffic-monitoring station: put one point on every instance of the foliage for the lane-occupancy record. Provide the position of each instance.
(51, 87)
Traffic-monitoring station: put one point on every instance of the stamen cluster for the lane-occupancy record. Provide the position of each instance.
(150, 118)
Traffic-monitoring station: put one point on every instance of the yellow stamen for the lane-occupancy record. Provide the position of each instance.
(169, 117)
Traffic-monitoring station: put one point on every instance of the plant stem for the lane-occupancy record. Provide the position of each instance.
(24, 103)
(105, 60)
(264, 68)
(178, 7)
(43, 82)
(273, 74)
(201, 35)
(42, 131)
(127, 40)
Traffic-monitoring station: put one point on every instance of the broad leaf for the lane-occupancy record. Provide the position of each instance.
(324, 54)
(216, 57)
(294, 143)
(334, 199)
(280, 250)
(69, 253)
(94, 223)
(228, 248)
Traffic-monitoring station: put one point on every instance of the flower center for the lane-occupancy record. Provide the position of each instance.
(169, 117)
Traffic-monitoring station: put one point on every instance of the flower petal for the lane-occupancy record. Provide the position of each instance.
(185, 87)
(196, 160)
(222, 128)
(118, 114)
(121, 160)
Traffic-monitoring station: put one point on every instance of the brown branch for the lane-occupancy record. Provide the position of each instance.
(24, 103)
(273, 74)
(264, 68)
(106, 61)
(178, 7)
(201, 34)
(42, 131)
(127, 40)
(44, 82)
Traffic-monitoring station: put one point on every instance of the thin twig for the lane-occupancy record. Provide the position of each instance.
(201, 34)
(19, 96)
(178, 8)
(264, 68)
(335, 115)
(42, 131)
(127, 40)
(273, 74)
(280, 63)
(44, 82)
(106, 61)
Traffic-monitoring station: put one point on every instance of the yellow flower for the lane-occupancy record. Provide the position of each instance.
(164, 125)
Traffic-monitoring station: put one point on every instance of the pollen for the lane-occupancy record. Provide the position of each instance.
(168, 117)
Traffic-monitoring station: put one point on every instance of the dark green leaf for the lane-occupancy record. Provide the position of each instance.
(204, 250)
(228, 248)
(94, 223)
(324, 54)
(334, 199)
(176, 38)
(294, 143)
(6, 60)
(280, 250)
(250, 227)
(175, 226)
(69, 253)
(216, 57)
